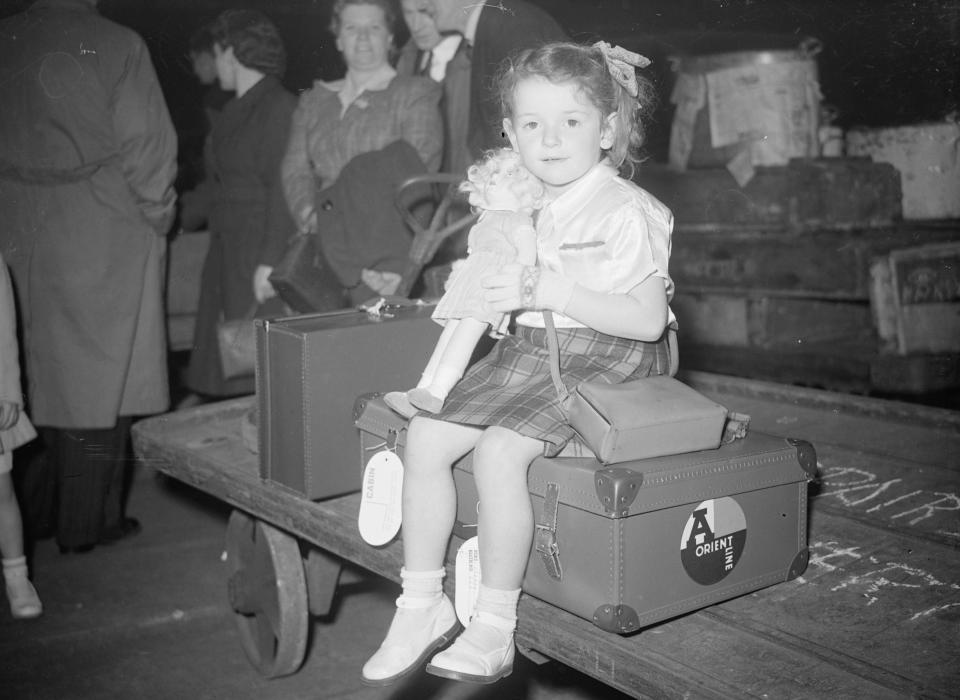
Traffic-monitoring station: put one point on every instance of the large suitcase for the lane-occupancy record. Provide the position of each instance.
(639, 542)
(310, 370)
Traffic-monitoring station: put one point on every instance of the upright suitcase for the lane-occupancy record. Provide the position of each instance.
(310, 369)
(636, 543)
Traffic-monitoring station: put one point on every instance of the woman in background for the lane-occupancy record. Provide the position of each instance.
(249, 222)
(354, 140)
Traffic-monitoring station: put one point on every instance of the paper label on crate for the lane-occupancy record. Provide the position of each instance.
(713, 540)
(380, 498)
(468, 580)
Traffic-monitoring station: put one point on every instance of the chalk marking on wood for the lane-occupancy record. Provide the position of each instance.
(893, 500)
(932, 611)
(833, 550)
(950, 498)
(878, 579)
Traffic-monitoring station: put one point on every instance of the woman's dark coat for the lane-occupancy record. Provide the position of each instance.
(249, 222)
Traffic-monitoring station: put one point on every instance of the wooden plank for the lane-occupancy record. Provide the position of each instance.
(806, 192)
(823, 263)
(900, 431)
(820, 366)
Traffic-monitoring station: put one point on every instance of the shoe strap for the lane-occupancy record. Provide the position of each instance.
(500, 623)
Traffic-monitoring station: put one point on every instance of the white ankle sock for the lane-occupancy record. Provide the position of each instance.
(14, 568)
(421, 589)
(496, 601)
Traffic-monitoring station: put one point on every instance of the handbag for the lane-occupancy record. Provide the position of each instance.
(640, 418)
(303, 278)
(237, 341)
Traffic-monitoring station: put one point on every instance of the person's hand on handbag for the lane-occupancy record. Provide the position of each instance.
(519, 286)
(262, 289)
(9, 414)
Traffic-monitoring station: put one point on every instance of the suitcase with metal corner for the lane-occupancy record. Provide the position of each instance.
(633, 544)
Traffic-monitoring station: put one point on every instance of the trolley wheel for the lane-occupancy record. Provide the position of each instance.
(268, 594)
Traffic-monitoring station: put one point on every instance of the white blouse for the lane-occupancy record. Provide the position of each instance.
(607, 234)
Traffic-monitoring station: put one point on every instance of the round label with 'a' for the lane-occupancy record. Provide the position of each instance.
(713, 540)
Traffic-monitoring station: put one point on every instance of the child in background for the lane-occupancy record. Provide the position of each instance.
(507, 194)
(603, 244)
(15, 429)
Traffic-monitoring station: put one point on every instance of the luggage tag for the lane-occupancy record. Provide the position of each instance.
(381, 498)
(467, 573)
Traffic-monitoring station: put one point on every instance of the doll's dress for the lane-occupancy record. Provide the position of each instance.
(491, 244)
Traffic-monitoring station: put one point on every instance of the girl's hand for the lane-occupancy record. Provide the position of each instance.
(527, 287)
(9, 414)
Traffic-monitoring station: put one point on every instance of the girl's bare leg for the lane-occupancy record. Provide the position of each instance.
(425, 619)
(22, 596)
(484, 652)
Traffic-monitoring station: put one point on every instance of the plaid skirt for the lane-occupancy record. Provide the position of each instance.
(511, 386)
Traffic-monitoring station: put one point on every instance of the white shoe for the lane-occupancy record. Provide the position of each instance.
(23, 598)
(479, 655)
(414, 635)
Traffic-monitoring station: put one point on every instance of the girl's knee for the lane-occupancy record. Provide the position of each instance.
(503, 454)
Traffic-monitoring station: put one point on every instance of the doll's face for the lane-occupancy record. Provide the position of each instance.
(512, 189)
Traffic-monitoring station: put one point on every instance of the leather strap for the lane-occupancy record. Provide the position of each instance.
(545, 537)
(553, 345)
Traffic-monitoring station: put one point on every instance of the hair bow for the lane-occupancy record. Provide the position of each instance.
(621, 64)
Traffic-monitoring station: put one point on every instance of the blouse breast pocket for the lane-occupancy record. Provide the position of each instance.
(584, 261)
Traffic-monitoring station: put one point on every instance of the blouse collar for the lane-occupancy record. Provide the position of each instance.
(574, 199)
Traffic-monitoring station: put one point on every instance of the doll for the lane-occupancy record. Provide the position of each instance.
(506, 194)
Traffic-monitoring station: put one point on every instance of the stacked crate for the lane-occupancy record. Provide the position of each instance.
(774, 278)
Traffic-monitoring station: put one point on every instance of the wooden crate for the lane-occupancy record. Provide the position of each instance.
(773, 323)
(808, 192)
(915, 296)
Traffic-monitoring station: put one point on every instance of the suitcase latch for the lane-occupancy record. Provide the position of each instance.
(545, 536)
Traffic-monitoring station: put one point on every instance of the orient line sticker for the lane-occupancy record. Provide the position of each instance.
(713, 540)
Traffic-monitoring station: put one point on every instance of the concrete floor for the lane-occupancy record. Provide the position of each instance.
(148, 618)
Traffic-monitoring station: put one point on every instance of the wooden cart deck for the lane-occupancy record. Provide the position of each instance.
(875, 615)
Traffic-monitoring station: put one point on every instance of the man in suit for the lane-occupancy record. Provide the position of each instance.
(492, 31)
(443, 58)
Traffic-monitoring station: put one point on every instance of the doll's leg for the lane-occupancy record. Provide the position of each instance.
(21, 594)
(451, 365)
(399, 401)
(448, 333)
(484, 652)
(425, 619)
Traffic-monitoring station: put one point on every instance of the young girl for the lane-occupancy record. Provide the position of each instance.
(572, 112)
(508, 195)
(15, 429)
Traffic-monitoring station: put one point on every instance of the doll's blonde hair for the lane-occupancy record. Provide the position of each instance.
(500, 164)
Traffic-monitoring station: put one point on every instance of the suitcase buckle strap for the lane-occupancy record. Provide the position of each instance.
(545, 537)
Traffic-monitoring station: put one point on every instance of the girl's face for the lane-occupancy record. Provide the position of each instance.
(558, 132)
(364, 38)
